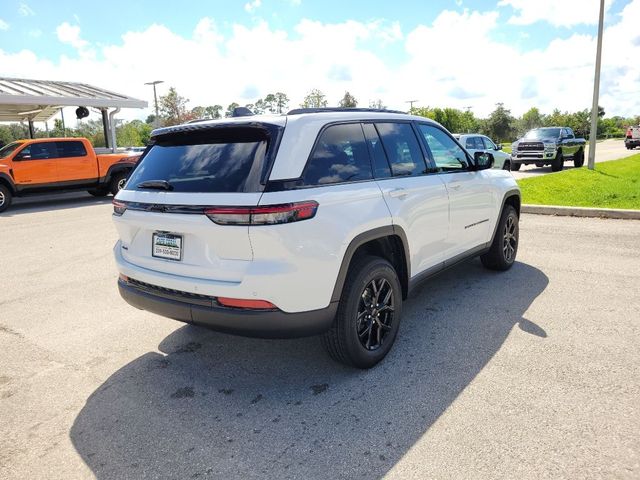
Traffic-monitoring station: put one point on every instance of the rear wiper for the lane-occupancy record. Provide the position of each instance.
(156, 185)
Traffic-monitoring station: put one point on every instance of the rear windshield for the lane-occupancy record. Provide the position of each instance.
(221, 159)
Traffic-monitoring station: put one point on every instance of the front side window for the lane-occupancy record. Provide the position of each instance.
(9, 149)
(39, 151)
(447, 154)
(340, 155)
(402, 148)
(488, 144)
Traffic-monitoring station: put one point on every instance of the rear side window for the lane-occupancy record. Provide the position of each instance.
(215, 160)
(71, 149)
(381, 167)
(402, 148)
(340, 155)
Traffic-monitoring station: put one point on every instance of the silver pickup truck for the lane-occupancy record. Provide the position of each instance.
(548, 146)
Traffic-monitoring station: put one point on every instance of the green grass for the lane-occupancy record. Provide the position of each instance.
(614, 184)
(506, 147)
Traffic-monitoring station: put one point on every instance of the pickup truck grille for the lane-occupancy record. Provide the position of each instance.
(530, 147)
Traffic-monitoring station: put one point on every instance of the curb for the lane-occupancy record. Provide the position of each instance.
(582, 212)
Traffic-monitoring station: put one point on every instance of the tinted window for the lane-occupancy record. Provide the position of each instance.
(71, 149)
(340, 155)
(381, 167)
(9, 149)
(402, 148)
(489, 145)
(446, 153)
(228, 159)
(474, 143)
(39, 151)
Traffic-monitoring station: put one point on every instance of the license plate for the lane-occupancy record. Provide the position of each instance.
(167, 245)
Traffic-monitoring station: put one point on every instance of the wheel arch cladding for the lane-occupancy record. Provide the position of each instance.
(388, 242)
(6, 181)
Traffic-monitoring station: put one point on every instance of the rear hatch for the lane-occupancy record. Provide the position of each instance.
(187, 171)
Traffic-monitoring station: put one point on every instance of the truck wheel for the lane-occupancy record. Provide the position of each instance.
(98, 192)
(507, 166)
(504, 247)
(515, 166)
(558, 163)
(578, 159)
(117, 182)
(5, 197)
(368, 315)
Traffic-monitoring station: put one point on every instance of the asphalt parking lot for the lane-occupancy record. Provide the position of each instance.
(533, 373)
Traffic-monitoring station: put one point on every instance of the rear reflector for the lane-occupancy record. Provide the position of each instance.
(263, 215)
(241, 303)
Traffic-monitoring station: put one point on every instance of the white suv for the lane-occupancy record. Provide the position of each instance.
(318, 221)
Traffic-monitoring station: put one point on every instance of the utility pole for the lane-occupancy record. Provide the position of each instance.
(596, 93)
(155, 99)
(410, 102)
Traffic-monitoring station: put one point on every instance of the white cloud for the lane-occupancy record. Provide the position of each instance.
(70, 34)
(3, 25)
(454, 61)
(560, 13)
(252, 6)
(25, 10)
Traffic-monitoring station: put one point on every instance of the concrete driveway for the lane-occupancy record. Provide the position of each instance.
(533, 373)
(605, 151)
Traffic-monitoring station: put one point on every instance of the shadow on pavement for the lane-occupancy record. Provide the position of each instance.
(51, 202)
(219, 406)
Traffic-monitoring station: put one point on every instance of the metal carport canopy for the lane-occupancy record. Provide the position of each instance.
(39, 100)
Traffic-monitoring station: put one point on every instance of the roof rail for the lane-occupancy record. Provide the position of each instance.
(299, 111)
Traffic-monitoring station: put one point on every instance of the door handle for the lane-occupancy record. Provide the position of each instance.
(455, 186)
(397, 192)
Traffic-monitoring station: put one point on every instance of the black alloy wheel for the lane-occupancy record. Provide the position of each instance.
(375, 314)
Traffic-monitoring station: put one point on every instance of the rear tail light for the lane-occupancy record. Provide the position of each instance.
(266, 215)
(250, 304)
(119, 207)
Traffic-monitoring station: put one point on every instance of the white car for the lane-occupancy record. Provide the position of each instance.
(320, 221)
(474, 142)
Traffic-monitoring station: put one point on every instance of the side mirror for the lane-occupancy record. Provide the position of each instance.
(483, 160)
(499, 146)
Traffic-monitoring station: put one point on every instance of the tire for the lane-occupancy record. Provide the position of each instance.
(504, 247)
(578, 159)
(98, 192)
(515, 166)
(117, 182)
(507, 166)
(348, 338)
(558, 163)
(5, 197)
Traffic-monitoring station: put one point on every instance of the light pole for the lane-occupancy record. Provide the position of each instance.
(410, 102)
(155, 98)
(596, 92)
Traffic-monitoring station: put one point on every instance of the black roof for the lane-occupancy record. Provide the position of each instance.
(299, 111)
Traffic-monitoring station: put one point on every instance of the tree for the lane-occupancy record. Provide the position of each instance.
(314, 99)
(270, 103)
(377, 104)
(500, 124)
(530, 119)
(348, 101)
(197, 112)
(151, 119)
(213, 111)
(281, 102)
(173, 108)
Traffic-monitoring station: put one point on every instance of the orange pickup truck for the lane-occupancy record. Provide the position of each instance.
(46, 165)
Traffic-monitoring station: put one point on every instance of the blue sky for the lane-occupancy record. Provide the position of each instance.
(408, 45)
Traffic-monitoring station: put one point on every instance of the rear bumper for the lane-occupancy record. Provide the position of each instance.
(249, 323)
